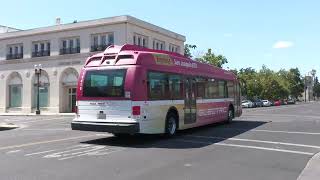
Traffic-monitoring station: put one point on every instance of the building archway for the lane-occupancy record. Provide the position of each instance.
(14, 91)
(44, 90)
(68, 89)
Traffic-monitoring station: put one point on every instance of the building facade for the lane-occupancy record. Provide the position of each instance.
(62, 50)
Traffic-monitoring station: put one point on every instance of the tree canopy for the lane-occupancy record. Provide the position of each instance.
(268, 84)
(211, 58)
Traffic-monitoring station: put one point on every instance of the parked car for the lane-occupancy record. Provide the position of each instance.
(284, 102)
(258, 103)
(277, 103)
(247, 104)
(266, 103)
(291, 101)
(272, 102)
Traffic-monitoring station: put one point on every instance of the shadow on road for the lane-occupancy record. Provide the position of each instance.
(179, 141)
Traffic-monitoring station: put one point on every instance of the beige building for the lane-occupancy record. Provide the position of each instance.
(61, 50)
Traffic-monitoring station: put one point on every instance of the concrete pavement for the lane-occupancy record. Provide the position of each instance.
(265, 143)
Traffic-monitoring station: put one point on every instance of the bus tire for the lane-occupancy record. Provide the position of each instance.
(171, 124)
(230, 115)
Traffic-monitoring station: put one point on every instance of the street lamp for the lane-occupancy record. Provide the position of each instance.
(37, 71)
(305, 88)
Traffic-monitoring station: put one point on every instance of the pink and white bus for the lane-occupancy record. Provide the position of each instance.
(129, 89)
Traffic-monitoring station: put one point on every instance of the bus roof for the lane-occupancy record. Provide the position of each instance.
(158, 59)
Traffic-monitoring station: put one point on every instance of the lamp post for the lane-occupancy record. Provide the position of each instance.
(305, 88)
(37, 71)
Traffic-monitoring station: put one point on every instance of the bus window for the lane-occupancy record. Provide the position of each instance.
(175, 86)
(158, 86)
(222, 89)
(231, 91)
(201, 84)
(212, 89)
(104, 83)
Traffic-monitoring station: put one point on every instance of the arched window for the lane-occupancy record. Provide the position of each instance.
(15, 90)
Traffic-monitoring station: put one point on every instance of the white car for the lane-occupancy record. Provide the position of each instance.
(266, 103)
(247, 104)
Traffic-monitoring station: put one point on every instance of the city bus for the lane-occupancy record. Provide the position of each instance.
(130, 89)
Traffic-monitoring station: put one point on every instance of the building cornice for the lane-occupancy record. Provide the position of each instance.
(90, 24)
(43, 59)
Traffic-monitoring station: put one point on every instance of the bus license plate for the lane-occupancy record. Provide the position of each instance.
(101, 116)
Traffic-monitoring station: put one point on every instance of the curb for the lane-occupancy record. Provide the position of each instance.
(312, 169)
(7, 126)
(18, 114)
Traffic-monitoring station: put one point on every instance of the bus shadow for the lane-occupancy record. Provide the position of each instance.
(191, 138)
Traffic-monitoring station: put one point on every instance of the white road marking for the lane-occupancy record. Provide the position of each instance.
(259, 141)
(82, 153)
(61, 129)
(14, 151)
(94, 148)
(42, 120)
(281, 115)
(248, 147)
(42, 152)
(52, 150)
(59, 154)
(29, 120)
(44, 142)
(286, 132)
(95, 153)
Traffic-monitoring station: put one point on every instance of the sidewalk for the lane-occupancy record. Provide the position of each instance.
(312, 170)
(33, 114)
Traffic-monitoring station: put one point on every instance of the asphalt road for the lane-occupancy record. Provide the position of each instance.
(265, 143)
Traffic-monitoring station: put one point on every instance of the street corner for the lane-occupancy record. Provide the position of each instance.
(7, 126)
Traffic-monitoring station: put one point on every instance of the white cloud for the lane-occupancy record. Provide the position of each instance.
(283, 44)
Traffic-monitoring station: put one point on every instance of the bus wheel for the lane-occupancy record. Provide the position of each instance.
(230, 115)
(171, 125)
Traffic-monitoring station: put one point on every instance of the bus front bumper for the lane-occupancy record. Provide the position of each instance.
(127, 128)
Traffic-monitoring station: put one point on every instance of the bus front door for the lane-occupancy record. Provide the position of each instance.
(190, 102)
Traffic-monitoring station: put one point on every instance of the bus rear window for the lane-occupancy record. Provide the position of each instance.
(104, 83)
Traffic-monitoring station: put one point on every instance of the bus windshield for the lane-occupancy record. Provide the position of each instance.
(104, 83)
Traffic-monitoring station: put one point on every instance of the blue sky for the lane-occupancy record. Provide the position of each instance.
(250, 33)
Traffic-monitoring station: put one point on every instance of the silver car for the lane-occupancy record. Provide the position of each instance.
(247, 104)
(266, 103)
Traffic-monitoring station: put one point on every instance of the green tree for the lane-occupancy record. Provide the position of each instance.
(187, 50)
(316, 88)
(296, 84)
(211, 58)
(246, 77)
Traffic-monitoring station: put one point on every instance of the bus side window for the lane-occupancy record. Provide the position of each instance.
(231, 91)
(211, 89)
(201, 84)
(222, 89)
(158, 87)
(175, 86)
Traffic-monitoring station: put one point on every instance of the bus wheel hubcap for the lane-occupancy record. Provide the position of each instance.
(172, 125)
(230, 115)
